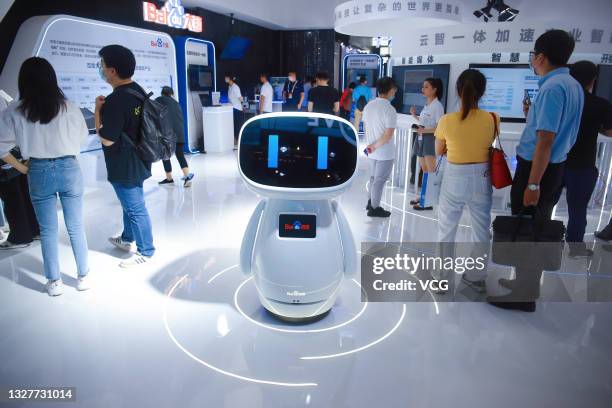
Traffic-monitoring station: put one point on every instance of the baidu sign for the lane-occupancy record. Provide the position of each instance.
(173, 15)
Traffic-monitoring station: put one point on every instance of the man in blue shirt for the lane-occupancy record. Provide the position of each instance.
(361, 96)
(551, 131)
(552, 126)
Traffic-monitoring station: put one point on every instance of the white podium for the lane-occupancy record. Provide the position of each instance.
(218, 127)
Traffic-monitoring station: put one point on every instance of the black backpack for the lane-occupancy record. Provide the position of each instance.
(361, 103)
(156, 139)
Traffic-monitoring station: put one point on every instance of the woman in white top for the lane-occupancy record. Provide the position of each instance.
(49, 131)
(431, 113)
(235, 98)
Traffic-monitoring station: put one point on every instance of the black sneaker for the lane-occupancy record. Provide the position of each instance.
(165, 182)
(580, 253)
(606, 234)
(419, 208)
(369, 206)
(503, 302)
(379, 212)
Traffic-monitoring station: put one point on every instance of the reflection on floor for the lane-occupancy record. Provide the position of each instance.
(188, 330)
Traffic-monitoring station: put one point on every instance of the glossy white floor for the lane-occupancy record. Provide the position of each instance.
(187, 331)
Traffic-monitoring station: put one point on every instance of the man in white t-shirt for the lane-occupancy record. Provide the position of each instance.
(380, 119)
(266, 95)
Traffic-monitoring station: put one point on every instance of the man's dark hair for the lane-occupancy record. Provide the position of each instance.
(584, 72)
(352, 85)
(167, 91)
(264, 75)
(384, 85)
(120, 58)
(322, 76)
(556, 45)
(362, 79)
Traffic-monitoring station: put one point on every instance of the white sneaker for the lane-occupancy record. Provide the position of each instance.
(136, 260)
(55, 288)
(122, 245)
(83, 283)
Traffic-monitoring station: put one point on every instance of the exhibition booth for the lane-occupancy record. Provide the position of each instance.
(439, 40)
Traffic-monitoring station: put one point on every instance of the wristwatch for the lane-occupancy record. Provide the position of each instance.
(533, 187)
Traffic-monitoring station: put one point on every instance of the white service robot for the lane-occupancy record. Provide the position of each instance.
(298, 244)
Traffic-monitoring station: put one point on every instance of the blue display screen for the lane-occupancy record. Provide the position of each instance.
(322, 153)
(273, 151)
(298, 152)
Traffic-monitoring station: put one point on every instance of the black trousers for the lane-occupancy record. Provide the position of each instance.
(527, 284)
(18, 210)
(579, 186)
(238, 121)
(550, 184)
(180, 156)
(289, 108)
(345, 114)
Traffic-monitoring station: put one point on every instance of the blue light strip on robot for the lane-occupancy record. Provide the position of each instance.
(273, 151)
(322, 153)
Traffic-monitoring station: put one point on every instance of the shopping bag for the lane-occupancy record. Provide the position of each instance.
(432, 182)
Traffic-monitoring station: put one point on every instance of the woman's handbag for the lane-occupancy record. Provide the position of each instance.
(499, 170)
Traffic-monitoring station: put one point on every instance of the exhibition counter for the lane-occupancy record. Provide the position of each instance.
(218, 128)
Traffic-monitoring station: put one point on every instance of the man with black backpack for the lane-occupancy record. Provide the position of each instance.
(119, 122)
(362, 94)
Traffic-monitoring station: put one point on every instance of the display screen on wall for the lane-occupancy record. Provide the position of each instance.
(409, 80)
(71, 45)
(278, 83)
(200, 78)
(603, 87)
(507, 85)
(236, 48)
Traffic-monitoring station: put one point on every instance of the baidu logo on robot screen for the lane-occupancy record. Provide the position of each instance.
(297, 226)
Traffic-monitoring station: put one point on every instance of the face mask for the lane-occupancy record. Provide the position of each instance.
(101, 73)
(531, 67)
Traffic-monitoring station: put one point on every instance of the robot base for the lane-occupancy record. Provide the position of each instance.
(302, 320)
(298, 312)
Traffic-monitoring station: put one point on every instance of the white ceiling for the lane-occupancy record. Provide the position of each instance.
(317, 14)
(275, 14)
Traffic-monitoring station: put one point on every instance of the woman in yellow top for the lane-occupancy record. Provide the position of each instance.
(465, 137)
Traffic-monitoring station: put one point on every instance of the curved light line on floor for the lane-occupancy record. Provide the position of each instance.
(204, 363)
(365, 305)
(215, 276)
(389, 333)
(418, 215)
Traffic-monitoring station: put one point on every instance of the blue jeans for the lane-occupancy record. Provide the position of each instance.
(48, 179)
(136, 220)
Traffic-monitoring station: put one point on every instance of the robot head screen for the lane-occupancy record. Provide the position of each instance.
(294, 155)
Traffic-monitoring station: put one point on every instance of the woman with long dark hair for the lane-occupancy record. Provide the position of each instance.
(49, 131)
(428, 121)
(466, 137)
